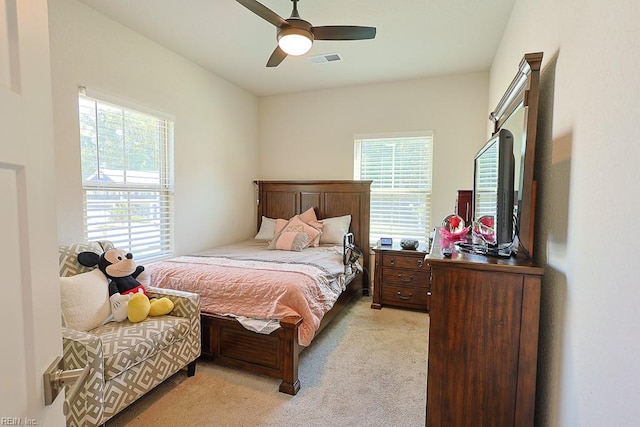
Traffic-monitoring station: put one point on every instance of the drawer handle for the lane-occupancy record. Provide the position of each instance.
(403, 297)
(393, 261)
(402, 279)
(420, 263)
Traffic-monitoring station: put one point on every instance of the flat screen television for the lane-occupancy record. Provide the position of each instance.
(493, 193)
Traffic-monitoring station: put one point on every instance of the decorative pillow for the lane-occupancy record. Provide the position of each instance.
(309, 216)
(296, 225)
(289, 241)
(280, 224)
(319, 226)
(267, 229)
(334, 229)
(315, 242)
(85, 300)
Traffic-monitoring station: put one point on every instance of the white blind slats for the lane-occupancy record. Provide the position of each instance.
(486, 197)
(126, 177)
(401, 170)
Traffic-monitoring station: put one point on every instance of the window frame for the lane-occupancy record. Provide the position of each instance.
(147, 242)
(424, 195)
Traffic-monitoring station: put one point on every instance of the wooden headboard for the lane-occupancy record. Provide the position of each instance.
(284, 199)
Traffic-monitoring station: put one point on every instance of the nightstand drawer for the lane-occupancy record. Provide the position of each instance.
(404, 261)
(406, 278)
(405, 297)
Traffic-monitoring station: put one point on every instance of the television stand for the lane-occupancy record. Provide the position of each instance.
(480, 249)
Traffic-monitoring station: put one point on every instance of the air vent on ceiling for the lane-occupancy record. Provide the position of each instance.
(327, 57)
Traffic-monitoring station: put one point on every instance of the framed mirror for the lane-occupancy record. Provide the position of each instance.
(517, 111)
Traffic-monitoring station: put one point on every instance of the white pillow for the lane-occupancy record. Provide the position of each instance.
(85, 300)
(334, 229)
(267, 229)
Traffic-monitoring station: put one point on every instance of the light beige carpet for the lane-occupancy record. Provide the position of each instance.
(367, 368)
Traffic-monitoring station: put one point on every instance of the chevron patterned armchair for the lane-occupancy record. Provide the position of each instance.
(126, 360)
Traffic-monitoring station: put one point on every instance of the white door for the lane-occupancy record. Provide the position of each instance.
(30, 335)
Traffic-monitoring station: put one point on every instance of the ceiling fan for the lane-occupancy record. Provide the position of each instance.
(295, 35)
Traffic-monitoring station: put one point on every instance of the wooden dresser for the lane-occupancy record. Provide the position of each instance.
(483, 340)
(401, 278)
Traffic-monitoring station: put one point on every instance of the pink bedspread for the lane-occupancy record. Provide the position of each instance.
(255, 289)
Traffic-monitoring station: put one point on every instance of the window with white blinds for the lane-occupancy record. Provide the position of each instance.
(126, 177)
(401, 170)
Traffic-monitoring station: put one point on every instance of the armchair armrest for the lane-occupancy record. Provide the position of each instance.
(82, 349)
(186, 305)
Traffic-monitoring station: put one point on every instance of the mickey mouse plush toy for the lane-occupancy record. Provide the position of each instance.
(128, 296)
(119, 266)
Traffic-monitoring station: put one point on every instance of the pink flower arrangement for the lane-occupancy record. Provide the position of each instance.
(453, 228)
(484, 228)
(454, 236)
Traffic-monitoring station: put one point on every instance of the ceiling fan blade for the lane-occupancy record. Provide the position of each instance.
(263, 12)
(343, 32)
(276, 57)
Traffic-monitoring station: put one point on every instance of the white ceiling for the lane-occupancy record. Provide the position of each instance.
(415, 38)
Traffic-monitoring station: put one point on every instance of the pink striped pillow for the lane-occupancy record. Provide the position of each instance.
(314, 236)
(296, 225)
(289, 241)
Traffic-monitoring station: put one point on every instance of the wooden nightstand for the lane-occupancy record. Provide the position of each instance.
(401, 278)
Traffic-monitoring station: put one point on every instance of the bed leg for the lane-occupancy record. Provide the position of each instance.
(290, 382)
(291, 389)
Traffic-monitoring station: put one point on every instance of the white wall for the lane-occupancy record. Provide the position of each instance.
(216, 124)
(310, 135)
(589, 192)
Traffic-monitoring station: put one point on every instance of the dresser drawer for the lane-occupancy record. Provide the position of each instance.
(405, 297)
(405, 261)
(406, 278)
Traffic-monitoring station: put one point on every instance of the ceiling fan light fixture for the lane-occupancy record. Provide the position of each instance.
(295, 41)
(296, 36)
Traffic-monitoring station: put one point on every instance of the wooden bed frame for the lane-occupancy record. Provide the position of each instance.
(227, 343)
